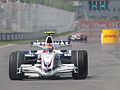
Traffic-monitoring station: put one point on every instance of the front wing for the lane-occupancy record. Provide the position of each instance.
(63, 68)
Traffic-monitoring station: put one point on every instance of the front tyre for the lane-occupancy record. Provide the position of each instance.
(80, 60)
(16, 59)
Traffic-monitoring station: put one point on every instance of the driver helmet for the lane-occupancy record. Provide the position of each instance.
(48, 49)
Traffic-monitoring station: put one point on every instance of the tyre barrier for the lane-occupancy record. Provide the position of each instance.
(19, 36)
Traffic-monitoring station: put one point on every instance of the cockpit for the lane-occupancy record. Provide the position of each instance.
(49, 39)
(48, 48)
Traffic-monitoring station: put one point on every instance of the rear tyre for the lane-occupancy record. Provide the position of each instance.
(16, 59)
(69, 38)
(85, 39)
(80, 60)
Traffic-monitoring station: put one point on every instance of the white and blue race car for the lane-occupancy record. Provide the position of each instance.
(48, 62)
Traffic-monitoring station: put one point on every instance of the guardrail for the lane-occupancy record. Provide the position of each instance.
(19, 36)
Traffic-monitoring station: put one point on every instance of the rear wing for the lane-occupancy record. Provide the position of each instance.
(56, 43)
(49, 32)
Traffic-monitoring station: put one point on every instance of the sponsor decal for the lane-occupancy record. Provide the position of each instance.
(110, 36)
(55, 42)
(102, 24)
(62, 42)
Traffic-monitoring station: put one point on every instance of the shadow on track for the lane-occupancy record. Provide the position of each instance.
(92, 77)
(49, 78)
(59, 78)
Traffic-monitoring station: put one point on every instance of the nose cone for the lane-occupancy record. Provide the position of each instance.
(47, 61)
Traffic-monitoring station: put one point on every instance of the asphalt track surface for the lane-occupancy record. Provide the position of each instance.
(104, 70)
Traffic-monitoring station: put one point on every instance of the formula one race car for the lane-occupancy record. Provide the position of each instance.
(48, 62)
(77, 37)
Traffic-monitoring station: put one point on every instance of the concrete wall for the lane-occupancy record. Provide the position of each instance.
(22, 17)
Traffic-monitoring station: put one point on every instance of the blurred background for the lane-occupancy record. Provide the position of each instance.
(23, 19)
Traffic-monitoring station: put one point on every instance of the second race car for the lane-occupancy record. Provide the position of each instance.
(78, 36)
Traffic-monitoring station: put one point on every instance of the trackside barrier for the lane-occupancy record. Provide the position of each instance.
(19, 36)
(110, 37)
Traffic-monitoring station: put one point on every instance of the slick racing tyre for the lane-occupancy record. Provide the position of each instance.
(69, 38)
(15, 60)
(85, 39)
(80, 60)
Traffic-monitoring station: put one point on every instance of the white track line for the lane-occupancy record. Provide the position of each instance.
(6, 45)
